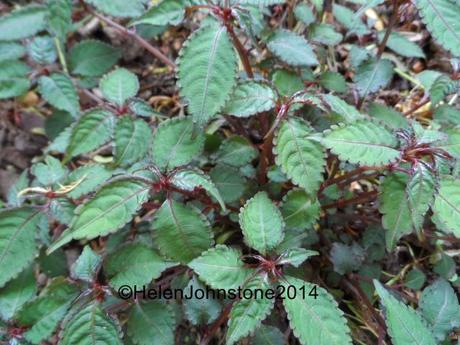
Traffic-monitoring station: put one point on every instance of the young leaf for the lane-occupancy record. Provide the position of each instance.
(135, 265)
(16, 293)
(59, 91)
(132, 141)
(439, 306)
(200, 311)
(300, 210)
(446, 212)
(296, 256)
(112, 207)
(247, 313)
(420, 193)
(189, 179)
(207, 71)
(119, 85)
(166, 12)
(23, 23)
(441, 19)
(324, 34)
(86, 265)
(299, 157)
(91, 131)
(262, 223)
(44, 313)
(42, 50)
(181, 232)
(405, 326)
(362, 142)
(151, 323)
(221, 268)
(372, 75)
(18, 247)
(236, 151)
(317, 320)
(395, 207)
(249, 98)
(88, 324)
(92, 58)
(291, 48)
(176, 142)
(304, 13)
(119, 8)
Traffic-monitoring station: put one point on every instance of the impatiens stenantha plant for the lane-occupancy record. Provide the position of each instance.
(229, 172)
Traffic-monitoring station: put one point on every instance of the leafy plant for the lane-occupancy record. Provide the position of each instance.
(300, 152)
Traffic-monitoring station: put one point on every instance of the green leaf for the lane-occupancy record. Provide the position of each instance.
(324, 34)
(119, 8)
(132, 141)
(248, 313)
(262, 223)
(151, 323)
(42, 50)
(91, 326)
(119, 85)
(390, 117)
(229, 181)
(236, 151)
(372, 75)
(134, 264)
(268, 335)
(249, 98)
(176, 142)
(166, 12)
(59, 91)
(347, 18)
(18, 247)
(405, 326)
(304, 13)
(181, 232)
(45, 312)
(60, 17)
(415, 279)
(441, 87)
(420, 193)
(189, 179)
(362, 142)
(87, 178)
(11, 51)
(300, 210)
(16, 293)
(291, 48)
(287, 82)
(452, 144)
(318, 320)
(347, 258)
(93, 129)
(346, 111)
(439, 306)
(13, 78)
(49, 172)
(200, 311)
(92, 58)
(221, 268)
(333, 81)
(446, 212)
(23, 23)
(207, 71)
(397, 217)
(298, 156)
(401, 45)
(141, 108)
(441, 19)
(296, 256)
(85, 267)
(111, 208)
